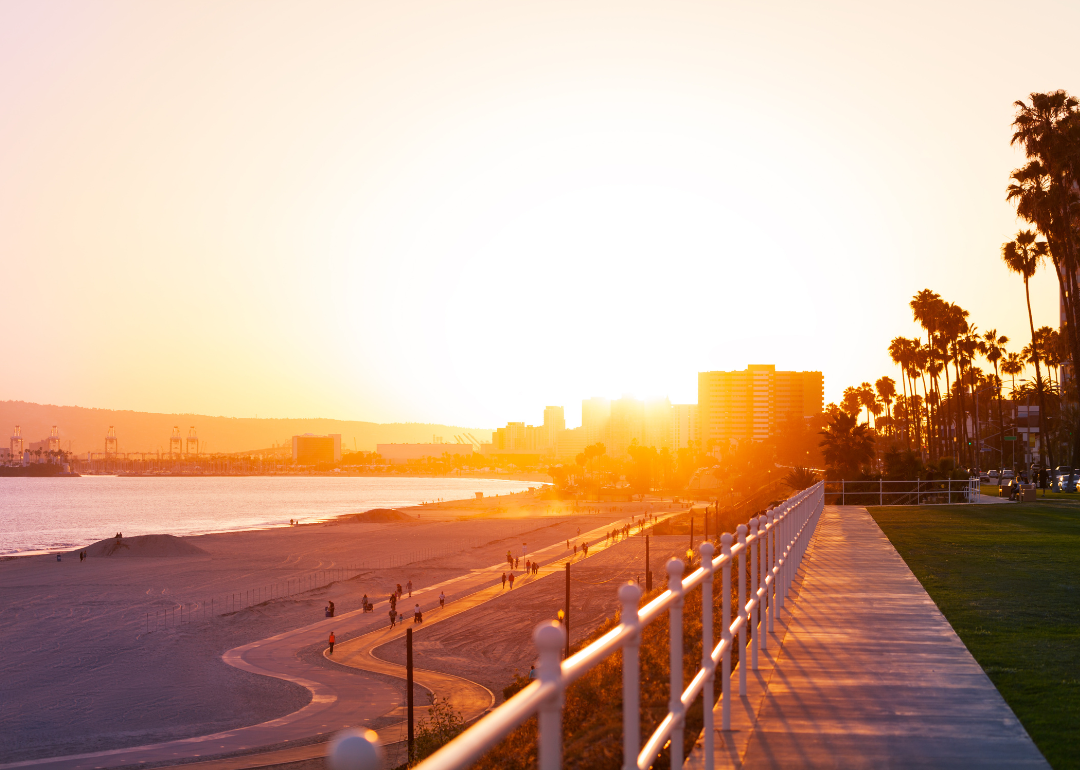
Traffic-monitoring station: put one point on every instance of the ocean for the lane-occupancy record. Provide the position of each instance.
(45, 514)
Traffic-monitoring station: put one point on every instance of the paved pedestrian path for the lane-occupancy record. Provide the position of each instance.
(865, 672)
(342, 696)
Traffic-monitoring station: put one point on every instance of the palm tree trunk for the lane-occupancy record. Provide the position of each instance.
(1044, 443)
(907, 408)
(917, 417)
(1001, 420)
(950, 444)
(961, 428)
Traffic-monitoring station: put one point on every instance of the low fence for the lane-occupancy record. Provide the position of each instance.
(774, 543)
(916, 492)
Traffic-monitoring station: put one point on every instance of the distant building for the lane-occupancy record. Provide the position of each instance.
(402, 453)
(310, 449)
(595, 414)
(750, 404)
(685, 425)
(570, 443)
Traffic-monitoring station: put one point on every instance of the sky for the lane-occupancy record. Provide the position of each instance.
(461, 212)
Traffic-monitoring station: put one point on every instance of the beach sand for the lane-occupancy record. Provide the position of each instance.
(89, 677)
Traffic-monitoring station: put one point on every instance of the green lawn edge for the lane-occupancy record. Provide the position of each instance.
(1007, 578)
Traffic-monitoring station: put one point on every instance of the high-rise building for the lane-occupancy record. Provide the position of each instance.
(595, 414)
(625, 426)
(750, 404)
(554, 423)
(658, 415)
(685, 426)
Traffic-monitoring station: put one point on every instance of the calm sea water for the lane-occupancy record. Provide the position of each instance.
(44, 514)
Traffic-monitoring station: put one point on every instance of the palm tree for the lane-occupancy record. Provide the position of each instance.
(1013, 364)
(846, 445)
(886, 390)
(1046, 193)
(851, 403)
(900, 352)
(926, 307)
(1022, 256)
(956, 325)
(971, 344)
(920, 357)
(868, 399)
(995, 349)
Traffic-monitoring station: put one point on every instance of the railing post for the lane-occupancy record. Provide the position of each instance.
(675, 569)
(741, 529)
(708, 698)
(548, 639)
(760, 623)
(774, 567)
(755, 616)
(630, 596)
(725, 634)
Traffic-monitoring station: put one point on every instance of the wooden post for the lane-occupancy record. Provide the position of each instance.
(648, 569)
(567, 620)
(409, 688)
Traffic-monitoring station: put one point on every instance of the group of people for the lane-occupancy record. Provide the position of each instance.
(417, 614)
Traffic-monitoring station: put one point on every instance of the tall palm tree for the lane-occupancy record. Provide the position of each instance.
(1012, 365)
(846, 446)
(995, 350)
(1022, 256)
(900, 353)
(886, 390)
(971, 344)
(956, 325)
(868, 399)
(1046, 193)
(926, 308)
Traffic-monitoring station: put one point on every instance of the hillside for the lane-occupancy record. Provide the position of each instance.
(83, 429)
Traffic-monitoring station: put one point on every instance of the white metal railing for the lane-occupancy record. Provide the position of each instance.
(913, 492)
(774, 542)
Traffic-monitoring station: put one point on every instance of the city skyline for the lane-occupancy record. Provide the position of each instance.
(351, 213)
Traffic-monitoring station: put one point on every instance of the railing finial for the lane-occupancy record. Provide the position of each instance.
(355, 749)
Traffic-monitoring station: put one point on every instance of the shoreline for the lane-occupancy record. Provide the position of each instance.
(330, 518)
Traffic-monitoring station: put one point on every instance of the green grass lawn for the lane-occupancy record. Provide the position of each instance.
(1008, 579)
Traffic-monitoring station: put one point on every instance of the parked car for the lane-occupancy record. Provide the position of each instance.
(984, 478)
(993, 474)
(1007, 474)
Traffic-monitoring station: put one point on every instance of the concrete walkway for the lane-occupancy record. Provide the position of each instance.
(865, 672)
(343, 695)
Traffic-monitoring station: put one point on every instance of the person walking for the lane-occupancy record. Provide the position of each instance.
(393, 617)
(511, 581)
(409, 587)
(442, 600)
(504, 580)
(416, 613)
(331, 642)
(393, 601)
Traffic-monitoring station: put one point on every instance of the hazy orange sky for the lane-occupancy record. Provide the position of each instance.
(463, 211)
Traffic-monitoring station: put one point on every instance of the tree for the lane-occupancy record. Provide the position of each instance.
(995, 350)
(641, 470)
(1046, 195)
(852, 403)
(800, 478)
(1022, 256)
(886, 390)
(846, 446)
(1012, 365)
(926, 308)
(868, 399)
(900, 352)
